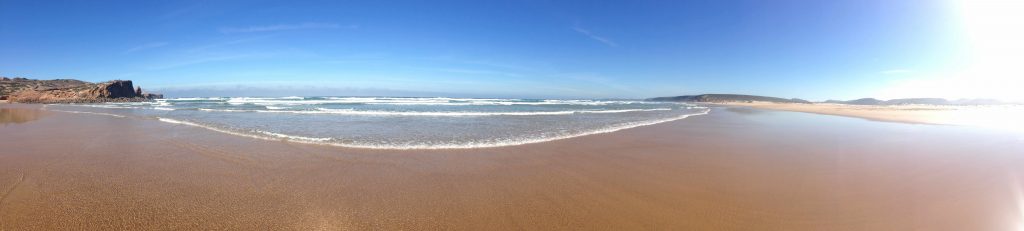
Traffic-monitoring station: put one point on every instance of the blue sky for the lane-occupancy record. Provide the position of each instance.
(567, 49)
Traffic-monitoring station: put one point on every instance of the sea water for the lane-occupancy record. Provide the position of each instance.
(399, 122)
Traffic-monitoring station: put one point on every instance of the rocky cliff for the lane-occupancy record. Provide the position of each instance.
(70, 91)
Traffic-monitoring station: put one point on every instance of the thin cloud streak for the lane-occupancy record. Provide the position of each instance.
(200, 60)
(897, 71)
(281, 27)
(476, 72)
(227, 43)
(604, 40)
(146, 47)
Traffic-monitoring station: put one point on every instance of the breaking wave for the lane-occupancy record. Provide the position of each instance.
(265, 135)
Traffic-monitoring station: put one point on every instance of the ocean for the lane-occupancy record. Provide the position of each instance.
(399, 122)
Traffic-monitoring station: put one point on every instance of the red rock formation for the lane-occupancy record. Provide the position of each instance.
(112, 91)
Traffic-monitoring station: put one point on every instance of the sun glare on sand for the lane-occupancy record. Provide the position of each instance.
(1018, 193)
(991, 65)
(993, 31)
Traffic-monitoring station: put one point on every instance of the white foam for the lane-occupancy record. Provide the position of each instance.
(489, 144)
(101, 106)
(212, 128)
(291, 137)
(174, 121)
(292, 100)
(437, 114)
(408, 113)
(625, 110)
(266, 135)
(193, 99)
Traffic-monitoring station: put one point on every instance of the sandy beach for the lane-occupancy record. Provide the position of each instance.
(985, 115)
(736, 168)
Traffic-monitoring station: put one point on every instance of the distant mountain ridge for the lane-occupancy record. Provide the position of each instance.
(23, 90)
(731, 98)
(9, 86)
(908, 101)
(726, 98)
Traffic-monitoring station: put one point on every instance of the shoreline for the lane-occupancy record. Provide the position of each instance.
(909, 114)
(995, 116)
(724, 170)
(270, 136)
(915, 114)
(328, 141)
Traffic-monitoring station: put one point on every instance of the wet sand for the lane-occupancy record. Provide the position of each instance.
(733, 169)
(19, 115)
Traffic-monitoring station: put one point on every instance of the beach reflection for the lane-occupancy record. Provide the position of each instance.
(19, 115)
(744, 110)
(1018, 193)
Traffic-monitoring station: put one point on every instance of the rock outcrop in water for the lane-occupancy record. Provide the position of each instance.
(24, 90)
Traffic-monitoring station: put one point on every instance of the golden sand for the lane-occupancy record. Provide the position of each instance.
(935, 114)
(729, 170)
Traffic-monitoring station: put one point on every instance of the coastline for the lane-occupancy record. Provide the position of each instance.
(270, 136)
(725, 170)
(426, 123)
(985, 116)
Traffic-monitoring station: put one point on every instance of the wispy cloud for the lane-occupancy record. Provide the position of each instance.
(604, 40)
(146, 47)
(199, 60)
(281, 27)
(476, 72)
(464, 71)
(897, 71)
(181, 11)
(227, 43)
(251, 56)
(365, 58)
(477, 61)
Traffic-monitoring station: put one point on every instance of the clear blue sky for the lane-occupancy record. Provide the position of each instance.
(576, 49)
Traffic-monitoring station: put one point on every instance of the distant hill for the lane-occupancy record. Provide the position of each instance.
(980, 102)
(9, 86)
(928, 101)
(726, 98)
(862, 101)
(24, 90)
